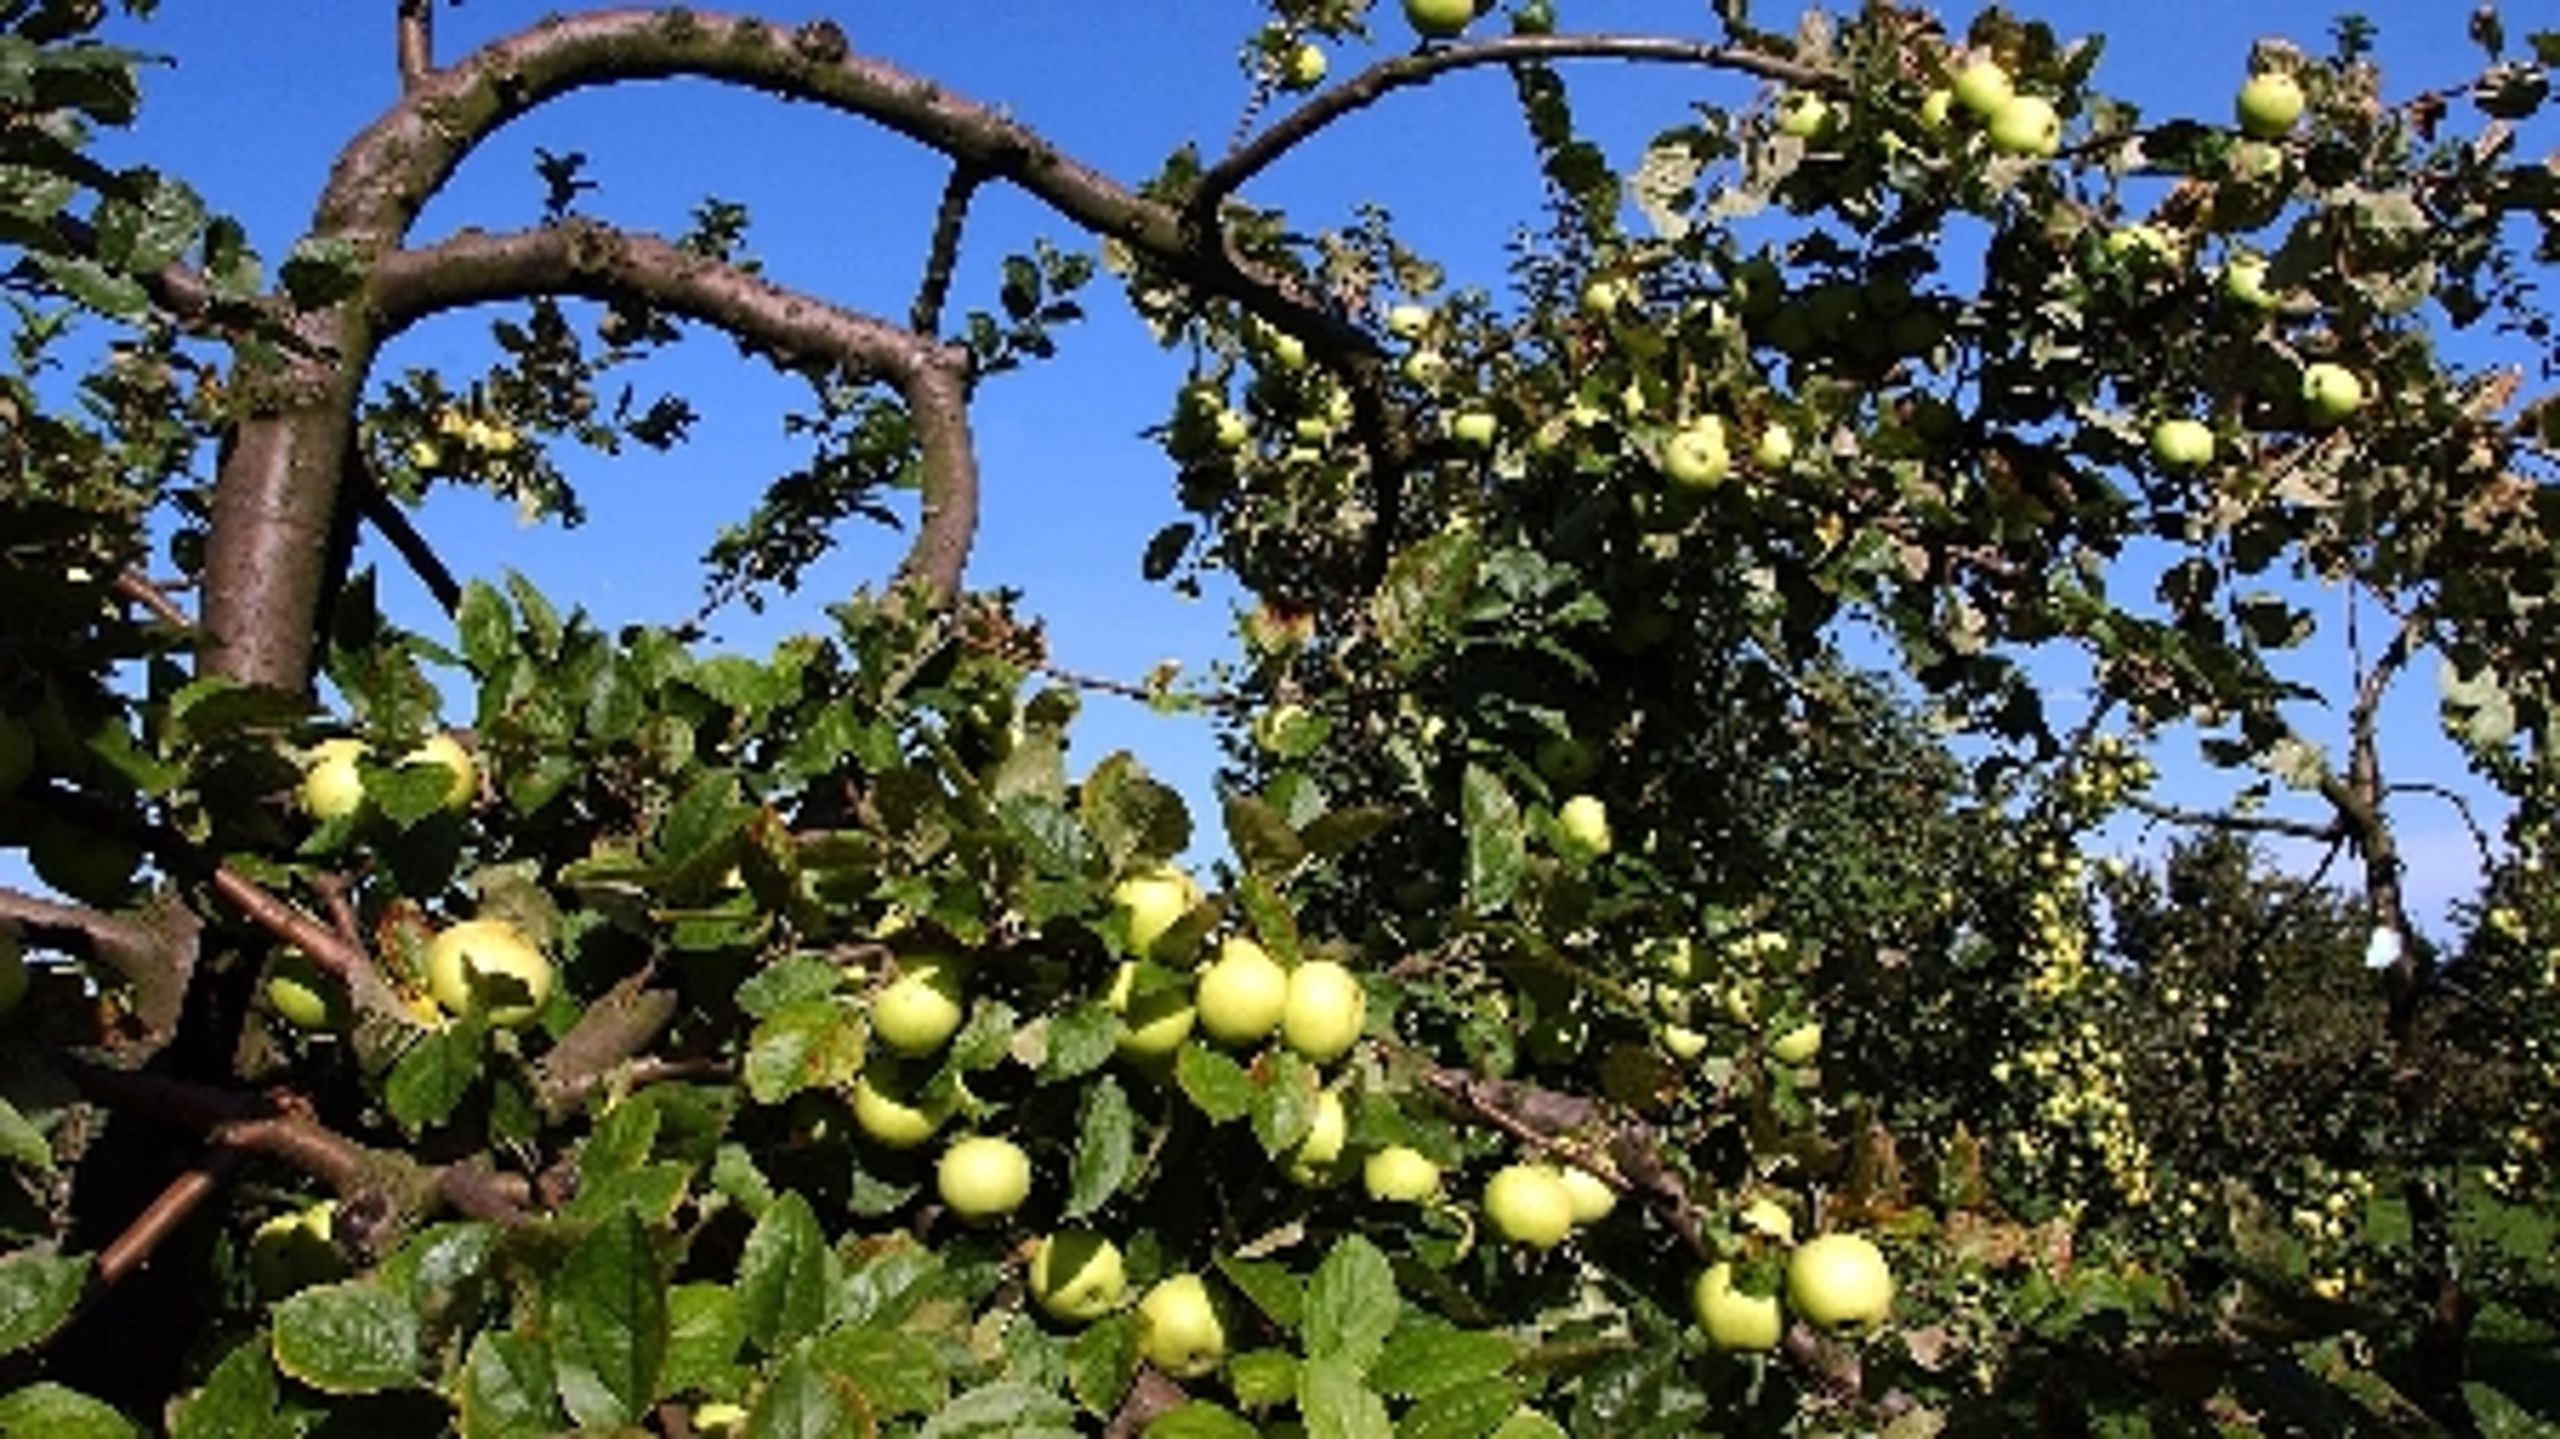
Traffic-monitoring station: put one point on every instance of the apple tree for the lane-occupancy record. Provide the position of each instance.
(1635, 998)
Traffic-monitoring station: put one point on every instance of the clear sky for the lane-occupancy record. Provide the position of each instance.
(261, 93)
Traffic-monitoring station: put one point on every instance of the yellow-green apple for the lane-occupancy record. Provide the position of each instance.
(1839, 1282)
(2244, 279)
(1154, 901)
(302, 995)
(1591, 1197)
(1803, 115)
(1776, 447)
(1798, 1045)
(1077, 1276)
(1583, 823)
(719, 1419)
(1154, 1024)
(2269, 104)
(918, 1011)
(1529, 1204)
(1323, 1013)
(983, 1176)
(1695, 456)
(1408, 321)
(1305, 68)
(488, 967)
(1475, 429)
(332, 787)
(1243, 993)
(2027, 125)
(1736, 1320)
(443, 749)
(1400, 1174)
(890, 1106)
(1983, 87)
(2182, 444)
(1179, 1330)
(1934, 107)
(1439, 19)
(1767, 1217)
(2330, 392)
(1314, 1162)
(294, 1251)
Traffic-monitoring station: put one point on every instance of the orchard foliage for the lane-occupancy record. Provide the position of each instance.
(1629, 1014)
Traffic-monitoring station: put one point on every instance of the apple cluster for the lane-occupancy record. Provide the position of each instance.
(1839, 1283)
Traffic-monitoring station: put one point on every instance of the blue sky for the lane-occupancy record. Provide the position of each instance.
(263, 92)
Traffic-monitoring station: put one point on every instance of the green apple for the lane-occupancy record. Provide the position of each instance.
(2182, 444)
(1602, 297)
(1154, 1024)
(332, 788)
(1529, 1204)
(1077, 1276)
(1802, 115)
(983, 1176)
(1474, 429)
(1695, 457)
(2027, 125)
(1769, 1218)
(1313, 1162)
(488, 967)
(2269, 104)
(1400, 1174)
(1408, 321)
(1305, 68)
(1983, 88)
(919, 1011)
(1798, 1045)
(1776, 447)
(2330, 392)
(1683, 1042)
(888, 1105)
(1154, 902)
(2245, 280)
(719, 1420)
(17, 755)
(1243, 993)
(1325, 1009)
(1426, 367)
(1736, 1320)
(1179, 1330)
(1591, 1197)
(294, 1251)
(445, 750)
(1439, 19)
(2142, 244)
(1839, 1282)
(1286, 351)
(1583, 823)
(13, 973)
(1934, 107)
(302, 995)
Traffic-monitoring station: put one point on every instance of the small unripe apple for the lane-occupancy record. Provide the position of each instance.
(2142, 244)
(1153, 1024)
(1407, 322)
(1305, 68)
(1242, 994)
(1077, 1276)
(2182, 444)
(1475, 429)
(1529, 1204)
(1839, 1282)
(2269, 104)
(918, 1011)
(2027, 125)
(1683, 1042)
(301, 994)
(1591, 1197)
(1426, 367)
(2330, 392)
(1439, 19)
(445, 750)
(1776, 448)
(1179, 1330)
(1736, 1320)
(424, 454)
(1400, 1174)
(719, 1420)
(488, 967)
(1802, 115)
(1583, 823)
(1770, 1218)
(295, 1251)
(1798, 1045)
(888, 1106)
(983, 1176)
(1312, 1162)
(13, 973)
(1601, 298)
(1154, 902)
(2245, 280)
(332, 787)
(1933, 109)
(1983, 88)
(1695, 457)
(1325, 1009)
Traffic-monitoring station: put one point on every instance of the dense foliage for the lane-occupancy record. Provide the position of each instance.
(1620, 1011)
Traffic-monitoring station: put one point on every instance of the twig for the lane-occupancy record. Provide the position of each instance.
(135, 586)
(133, 1248)
(2461, 807)
(2238, 823)
(950, 221)
(417, 42)
(392, 522)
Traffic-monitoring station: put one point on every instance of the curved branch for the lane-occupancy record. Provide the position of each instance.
(584, 258)
(1378, 81)
(153, 951)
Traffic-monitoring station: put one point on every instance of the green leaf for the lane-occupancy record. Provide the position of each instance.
(38, 1290)
(807, 1044)
(352, 1338)
(1105, 1144)
(1215, 1084)
(608, 1312)
(787, 981)
(91, 284)
(1199, 1419)
(1284, 1103)
(237, 1401)
(801, 1401)
(1134, 818)
(49, 1411)
(486, 627)
(1422, 1359)
(1497, 843)
(505, 1390)
(1047, 834)
(1469, 1410)
(705, 1331)
(1426, 590)
(321, 271)
(1269, 1286)
(1352, 1304)
(785, 1275)
(1262, 1378)
(435, 1075)
(1003, 1410)
(1080, 1040)
(1337, 1403)
(1101, 1360)
(1340, 831)
(1260, 835)
(895, 1371)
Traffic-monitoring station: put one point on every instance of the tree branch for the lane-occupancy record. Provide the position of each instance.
(2237, 823)
(393, 524)
(950, 220)
(417, 42)
(154, 951)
